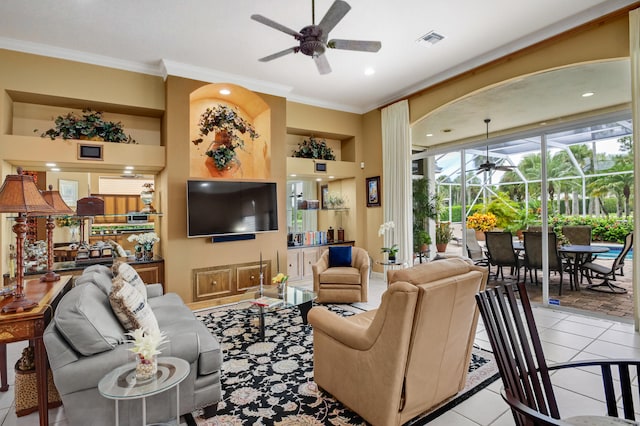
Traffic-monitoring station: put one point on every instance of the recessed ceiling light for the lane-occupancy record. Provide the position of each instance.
(128, 167)
(429, 135)
(50, 164)
(225, 91)
(318, 179)
(127, 172)
(587, 94)
(369, 71)
(55, 169)
(331, 177)
(293, 175)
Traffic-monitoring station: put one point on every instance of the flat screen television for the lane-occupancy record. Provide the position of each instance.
(226, 208)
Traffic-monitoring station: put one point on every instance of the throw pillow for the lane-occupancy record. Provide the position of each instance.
(86, 320)
(131, 308)
(339, 256)
(130, 275)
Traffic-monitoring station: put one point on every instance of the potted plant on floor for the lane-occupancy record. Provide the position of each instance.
(443, 236)
(424, 208)
(481, 222)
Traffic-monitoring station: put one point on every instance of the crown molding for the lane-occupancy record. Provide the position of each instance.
(77, 56)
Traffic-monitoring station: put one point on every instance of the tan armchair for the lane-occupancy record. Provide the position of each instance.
(342, 284)
(412, 353)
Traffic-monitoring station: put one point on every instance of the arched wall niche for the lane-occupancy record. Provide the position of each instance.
(252, 160)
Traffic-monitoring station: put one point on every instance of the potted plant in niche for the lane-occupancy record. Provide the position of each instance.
(90, 126)
(314, 148)
(443, 236)
(229, 130)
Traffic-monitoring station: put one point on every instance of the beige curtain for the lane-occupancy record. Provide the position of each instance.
(634, 53)
(396, 178)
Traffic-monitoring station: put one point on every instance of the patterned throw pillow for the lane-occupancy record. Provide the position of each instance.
(130, 275)
(131, 308)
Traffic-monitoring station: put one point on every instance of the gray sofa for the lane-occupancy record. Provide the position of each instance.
(85, 341)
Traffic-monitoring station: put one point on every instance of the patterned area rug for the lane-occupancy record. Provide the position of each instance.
(271, 382)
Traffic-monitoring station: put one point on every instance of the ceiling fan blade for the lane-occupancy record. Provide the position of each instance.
(359, 45)
(279, 54)
(335, 13)
(323, 64)
(504, 168)
(268, 22)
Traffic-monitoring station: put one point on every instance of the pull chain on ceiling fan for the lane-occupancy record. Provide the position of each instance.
(313, 38)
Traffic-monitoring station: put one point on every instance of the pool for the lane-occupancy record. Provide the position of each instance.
(613, 252)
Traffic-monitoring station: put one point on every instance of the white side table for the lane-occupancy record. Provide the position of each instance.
(121, 383)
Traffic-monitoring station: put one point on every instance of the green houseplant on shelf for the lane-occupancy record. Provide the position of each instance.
(89, 126)
(314, 148)
(443, 236)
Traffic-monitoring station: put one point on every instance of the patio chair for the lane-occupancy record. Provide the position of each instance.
(500, 253)
(474, 250)
(527, 384)
(533, 256)
(592, 270)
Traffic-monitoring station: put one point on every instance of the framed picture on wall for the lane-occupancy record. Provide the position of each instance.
(68, 191)
(324, 196)
(373, 191)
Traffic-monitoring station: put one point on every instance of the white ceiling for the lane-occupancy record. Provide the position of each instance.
(215, 40)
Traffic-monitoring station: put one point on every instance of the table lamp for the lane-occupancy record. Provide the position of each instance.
(19, 194)
(60, 208)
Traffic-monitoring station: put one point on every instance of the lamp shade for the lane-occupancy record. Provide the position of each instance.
(54, 199)
(19, 194)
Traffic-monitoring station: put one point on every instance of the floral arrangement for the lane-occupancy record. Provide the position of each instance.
(90, 126)
(148, 239)
(482, 221)
(393, 249)
(280, 278)
(147, 344)
(314, 148)
(62, 221)
(224, 119)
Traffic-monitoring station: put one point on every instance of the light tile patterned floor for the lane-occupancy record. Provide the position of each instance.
(565, 335)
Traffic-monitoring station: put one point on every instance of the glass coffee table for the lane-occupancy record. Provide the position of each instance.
(121, 383)
(293, 296)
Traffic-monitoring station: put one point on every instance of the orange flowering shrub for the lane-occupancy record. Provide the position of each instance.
(482, 221)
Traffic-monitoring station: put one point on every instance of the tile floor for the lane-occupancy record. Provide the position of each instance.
(566, 336)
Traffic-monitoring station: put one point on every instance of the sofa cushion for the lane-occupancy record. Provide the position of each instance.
(131, 308)
(86, 321)
(428, 272)
(339, 256)
(130, 275)
(340, 275)
(96, 277)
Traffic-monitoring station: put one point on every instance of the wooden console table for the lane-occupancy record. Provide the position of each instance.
(30, 325)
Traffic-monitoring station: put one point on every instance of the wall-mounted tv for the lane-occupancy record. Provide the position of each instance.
(228, 207)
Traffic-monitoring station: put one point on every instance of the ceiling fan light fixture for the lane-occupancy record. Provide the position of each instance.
(430, 38)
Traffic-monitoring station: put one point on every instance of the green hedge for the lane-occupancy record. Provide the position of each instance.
(602, 228)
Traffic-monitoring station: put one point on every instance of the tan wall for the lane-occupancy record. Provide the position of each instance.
(372, 157)
(603, 39)
(183, 254)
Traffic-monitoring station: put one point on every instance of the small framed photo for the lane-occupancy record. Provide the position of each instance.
(324, 196)
(373, 192)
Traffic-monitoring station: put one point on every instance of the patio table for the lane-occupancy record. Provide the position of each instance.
(581, 252)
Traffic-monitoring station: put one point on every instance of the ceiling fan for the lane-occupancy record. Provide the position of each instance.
(313, 38)
(487, 166)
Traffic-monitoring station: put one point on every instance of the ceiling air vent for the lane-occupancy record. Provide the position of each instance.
(430, 38)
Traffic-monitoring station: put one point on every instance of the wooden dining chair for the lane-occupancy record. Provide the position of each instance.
(527, 385)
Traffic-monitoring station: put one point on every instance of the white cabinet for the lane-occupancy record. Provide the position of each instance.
(300, 260)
